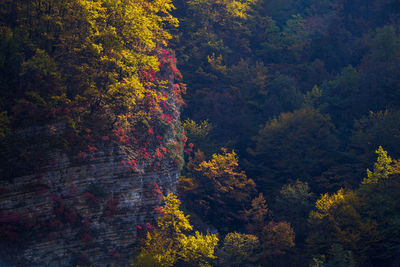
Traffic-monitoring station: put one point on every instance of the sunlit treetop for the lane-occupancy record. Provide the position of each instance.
(234, 8)
(383, 167)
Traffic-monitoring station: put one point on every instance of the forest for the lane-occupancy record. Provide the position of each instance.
(283, 117)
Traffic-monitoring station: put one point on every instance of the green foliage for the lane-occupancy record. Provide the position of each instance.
(380, 128)
(386, 44)
(311, 98)
(293, 204)
(340, 257)
(197, 131)
(337, 257)
(199, 135)
(239, 249)
(340, 97)
(302, 143)
(318, 66)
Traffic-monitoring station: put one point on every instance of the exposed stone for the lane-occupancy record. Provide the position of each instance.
(71, 212)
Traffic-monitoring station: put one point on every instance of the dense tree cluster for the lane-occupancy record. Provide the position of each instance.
(304, 92)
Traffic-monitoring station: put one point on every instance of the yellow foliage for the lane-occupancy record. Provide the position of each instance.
(173, 221)
(337, 219)
(328, 205)
(236, 9)
(168, 243)
(157, 251)
(198, 248)
(98, 51)
(383, 167)
(221, 169)
(197, 130)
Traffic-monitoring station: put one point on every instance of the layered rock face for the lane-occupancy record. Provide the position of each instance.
(85, 212)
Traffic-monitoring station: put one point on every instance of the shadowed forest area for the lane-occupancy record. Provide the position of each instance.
(283, 116)
(307, 94)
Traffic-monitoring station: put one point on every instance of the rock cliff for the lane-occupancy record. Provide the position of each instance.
(90, 212)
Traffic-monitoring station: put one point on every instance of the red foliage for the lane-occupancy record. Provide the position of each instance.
(148, 75)
(159, 210)
(146, 156)
(167, 117)
(120, 135)
(158, 154)
(189, 148)
(156, 191)
(149, 227)
(164, 103)
(92, 149)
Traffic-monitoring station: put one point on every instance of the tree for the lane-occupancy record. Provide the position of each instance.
(258, 215)
(198, 249)
(381, 128)
(199, 134)
(379, 67)
(168, 244)
(277, 238)
(379, 192)
(239, 250)
(296, 144)
(217, 187)
(383, 167)
(337, 257)
(293, 204)
(338, 219)
(340, 97)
